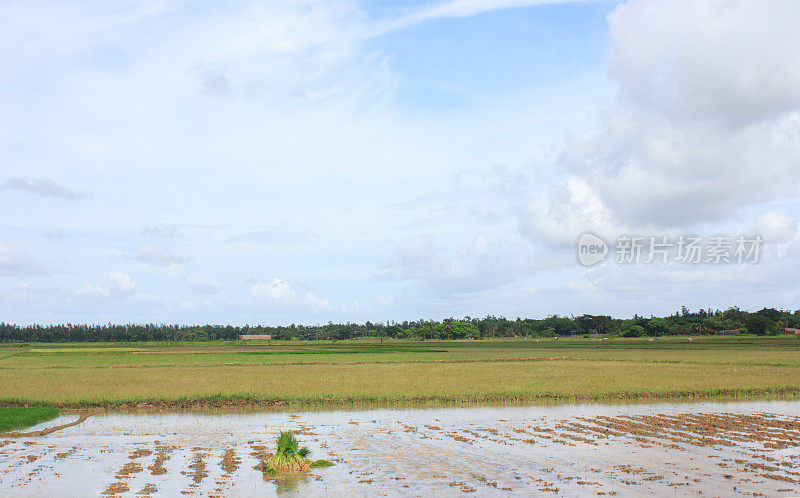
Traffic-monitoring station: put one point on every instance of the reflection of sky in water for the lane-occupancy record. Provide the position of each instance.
(415, 451)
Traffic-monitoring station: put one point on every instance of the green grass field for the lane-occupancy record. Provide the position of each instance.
(15, 417)
(367, 372)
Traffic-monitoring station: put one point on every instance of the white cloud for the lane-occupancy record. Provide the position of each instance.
(650, 169)
(706, 123)
(480, 245)
(386, 301)
(728, 61)
(161, 231)
(349, 308)
(708, 116)
(278, 291)
(93, 291)
(463, 8)
(122, 285)
(776, 227)
(122, 281)
(626, 289)
(152, 255)
(274, 236)
(445, 274)
(318, 304)
(42, 187)
(560, 216)
(14, 260)
(201, 286)
(244, 105)
(214, 80)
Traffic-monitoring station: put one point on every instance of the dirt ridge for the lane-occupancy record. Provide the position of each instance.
(47, 431)
(280, 403)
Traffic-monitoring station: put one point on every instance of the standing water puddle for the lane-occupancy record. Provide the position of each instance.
(725, 449)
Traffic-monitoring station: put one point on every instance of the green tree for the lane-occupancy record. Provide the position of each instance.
(633, 331)
(656, 327)
(761, 325)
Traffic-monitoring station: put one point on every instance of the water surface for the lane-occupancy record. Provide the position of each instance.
(722, 449)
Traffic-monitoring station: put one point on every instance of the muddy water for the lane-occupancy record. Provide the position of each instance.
(725, 449)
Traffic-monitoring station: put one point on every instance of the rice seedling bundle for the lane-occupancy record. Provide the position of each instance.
(289, 457)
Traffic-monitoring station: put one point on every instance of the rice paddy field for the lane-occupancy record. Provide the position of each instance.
(571, 417)
(663, 449)
(371, 373)
(17, 417)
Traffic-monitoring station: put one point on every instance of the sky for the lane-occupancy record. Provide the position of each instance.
(311, 161)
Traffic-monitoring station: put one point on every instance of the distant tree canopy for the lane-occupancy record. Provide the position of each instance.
(761, 325)
(767, 321)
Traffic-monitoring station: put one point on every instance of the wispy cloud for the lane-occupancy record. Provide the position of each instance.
(14, 260)
(152, 255)
(161, 231)
(42, 187)
(274, 236)
(318, 304)
(201, 287)
(122, 285)
(278, 291)
(459, 8)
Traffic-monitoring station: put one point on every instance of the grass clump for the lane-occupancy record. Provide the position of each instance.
(17, 417)
(289, 457)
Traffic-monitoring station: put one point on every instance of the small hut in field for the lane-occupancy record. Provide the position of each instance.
(255, 337)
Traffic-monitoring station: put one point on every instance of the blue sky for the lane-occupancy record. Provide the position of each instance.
(279, 162)
(451, 63)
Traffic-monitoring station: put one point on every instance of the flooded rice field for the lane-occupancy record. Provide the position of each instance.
(717, 449)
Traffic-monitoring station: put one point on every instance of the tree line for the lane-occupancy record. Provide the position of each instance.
(767, 321)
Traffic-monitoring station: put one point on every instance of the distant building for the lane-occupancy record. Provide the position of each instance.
(791, 331)
(255, 337)
(730, 332)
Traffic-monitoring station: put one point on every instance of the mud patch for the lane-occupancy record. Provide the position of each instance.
(198, 466)
(162, 455)
(140, 453)
(128, 469)
(230, 462)
(116, 489)
(147, 490)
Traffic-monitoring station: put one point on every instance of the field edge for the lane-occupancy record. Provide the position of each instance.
(283, 403)
(21, 416)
